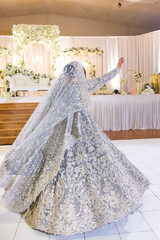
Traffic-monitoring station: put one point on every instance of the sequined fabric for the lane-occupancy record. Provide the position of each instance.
(63, 174)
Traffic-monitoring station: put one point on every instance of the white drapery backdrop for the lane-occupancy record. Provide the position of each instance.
(142, 54)
(126, 47)
(149, 54)
(38, 58)
(5, 41)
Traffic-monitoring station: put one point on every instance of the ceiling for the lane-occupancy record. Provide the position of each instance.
(139, 14)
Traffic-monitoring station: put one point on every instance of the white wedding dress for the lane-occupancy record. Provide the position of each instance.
(63, 174)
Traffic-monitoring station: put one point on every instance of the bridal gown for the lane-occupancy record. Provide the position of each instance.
(62, 173)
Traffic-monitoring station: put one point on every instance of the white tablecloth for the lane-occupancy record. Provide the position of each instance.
(123, 112)
(116, 112)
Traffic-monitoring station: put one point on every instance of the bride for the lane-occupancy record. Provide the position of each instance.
(62, 173)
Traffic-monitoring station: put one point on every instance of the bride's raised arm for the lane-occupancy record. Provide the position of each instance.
(97, 83)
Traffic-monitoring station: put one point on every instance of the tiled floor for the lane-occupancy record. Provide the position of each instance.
(142, 225)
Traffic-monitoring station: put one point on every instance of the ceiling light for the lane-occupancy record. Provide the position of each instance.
(119, 4)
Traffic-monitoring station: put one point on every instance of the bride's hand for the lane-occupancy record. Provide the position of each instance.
(120, 62)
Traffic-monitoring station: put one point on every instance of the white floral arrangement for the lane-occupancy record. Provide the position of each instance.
(24, 34)
(123, 80)
(12, 70)
(148, 89)
(5, 51)
(2, 74)
(137, 77)
(76, 51)
(82, 51)
(91, 69)
(6, 94)
(103, 91)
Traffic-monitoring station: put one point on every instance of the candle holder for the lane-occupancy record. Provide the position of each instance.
(155, 82)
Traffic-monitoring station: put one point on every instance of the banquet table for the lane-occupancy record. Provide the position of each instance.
(124, 112)
(116, 112)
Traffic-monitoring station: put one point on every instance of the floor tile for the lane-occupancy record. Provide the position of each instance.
(156, 190)
(155, 180)
(153, 219)
(108, 229)
(61, 237)
(150, 203)
(157, 233)
(133, 223)
(25, 232)
(148, 193)
(110, 237)
(153, 177)
(139, 236)
(8, 230)
(7, 216)
(157, 170)
(72, 237)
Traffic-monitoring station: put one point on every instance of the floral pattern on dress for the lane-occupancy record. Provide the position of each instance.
(76, 179)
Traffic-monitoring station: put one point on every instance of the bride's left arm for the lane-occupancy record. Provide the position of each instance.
(97, 83)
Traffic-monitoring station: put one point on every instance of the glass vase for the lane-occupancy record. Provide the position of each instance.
(122, 87)
(138, 87)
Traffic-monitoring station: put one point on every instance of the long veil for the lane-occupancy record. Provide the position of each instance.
(26, 166)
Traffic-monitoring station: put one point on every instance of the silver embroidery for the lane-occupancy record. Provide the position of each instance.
(63, 174)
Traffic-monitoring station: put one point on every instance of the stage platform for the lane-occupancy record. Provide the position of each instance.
(21, 99)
